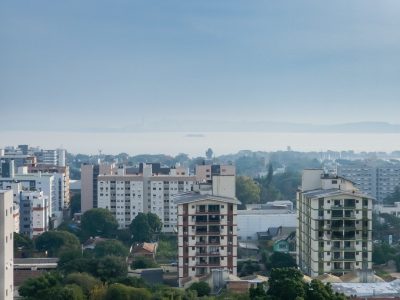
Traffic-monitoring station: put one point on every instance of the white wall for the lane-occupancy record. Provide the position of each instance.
(6, 245)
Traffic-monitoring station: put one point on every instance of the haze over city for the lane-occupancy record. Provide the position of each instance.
(136, 65)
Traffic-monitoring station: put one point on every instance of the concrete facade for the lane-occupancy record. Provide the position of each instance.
(373, 179)
(334, 233)
(34, 213)
(128, 195)
(6, 245)
(207, 229)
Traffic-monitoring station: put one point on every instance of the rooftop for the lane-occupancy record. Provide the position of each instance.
(369, 289)
(319, 193)
(194, 197)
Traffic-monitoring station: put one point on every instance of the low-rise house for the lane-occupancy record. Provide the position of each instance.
(147, 250)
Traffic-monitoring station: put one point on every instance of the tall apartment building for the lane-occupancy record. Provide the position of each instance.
(89, 174)
(36, 182)
(6, 245)
(207, 229)
(149, 188)
(377, 179)
(61, 183)
(34, 213)
(334, 233)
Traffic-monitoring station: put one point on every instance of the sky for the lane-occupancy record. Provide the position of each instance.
(98, 64)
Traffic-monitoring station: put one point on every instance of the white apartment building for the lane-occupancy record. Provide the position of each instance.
(207, 230)
(334, 232)
(34, 213)
(61, 184)
(126, 195)
(6, 245)
(36, 182)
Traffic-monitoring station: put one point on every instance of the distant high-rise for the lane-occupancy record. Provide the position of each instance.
(377, 179)
(150, 188)
(6, 245)
(334, 233)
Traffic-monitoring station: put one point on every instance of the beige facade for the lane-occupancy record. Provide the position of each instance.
(334, 232)
(205, 172)
(207, 229)
(6, 245)
(207, 235)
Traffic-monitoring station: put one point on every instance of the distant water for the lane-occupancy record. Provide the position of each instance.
(195, 144)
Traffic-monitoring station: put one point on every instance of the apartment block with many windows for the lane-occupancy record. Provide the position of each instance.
(207, 229)
(334, 233)
(150, 189)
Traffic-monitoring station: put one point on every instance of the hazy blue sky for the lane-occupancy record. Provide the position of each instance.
(116, 63)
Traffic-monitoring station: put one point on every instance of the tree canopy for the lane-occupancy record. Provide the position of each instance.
(144, 226)
(280, 260)
(202, 288)
(99, 222)
(111, 247)
(56, 241)
(247, 190)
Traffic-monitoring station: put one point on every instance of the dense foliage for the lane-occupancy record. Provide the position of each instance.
(98, 222)
(145, 226)
(54, 242)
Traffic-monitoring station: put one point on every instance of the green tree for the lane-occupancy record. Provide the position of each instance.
(286, 283)
(144, 226)
(80, 265)
(111, 267)
(154, 223)
(56, 241)
(110, 247)
(247, 190)
(143, 263)
(99, 222)
(202, 288)
(258, 292)
(382, 253)
(36, 288)
(137, 282)
(140, 228)
(287, 184)
(68, 292)
(280, 260)
(316, 290)
(85, 281)
(119, 291)
(23, 245)
(248, 267)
